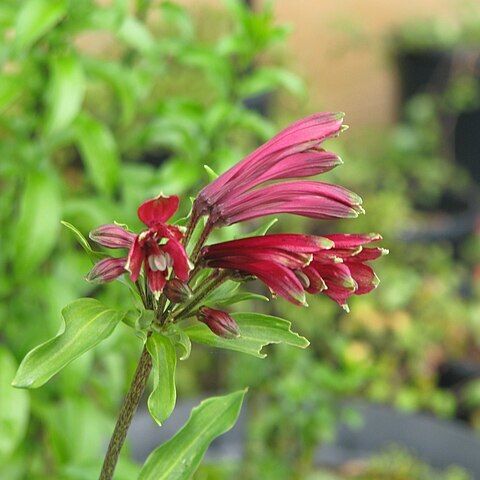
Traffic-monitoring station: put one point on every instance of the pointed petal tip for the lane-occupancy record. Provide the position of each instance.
(375, 281)
(325, 243)
(345, 307)
(385, 251)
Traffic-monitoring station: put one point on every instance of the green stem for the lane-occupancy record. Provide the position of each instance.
(203, 238)
(124, 420)
(218, 279)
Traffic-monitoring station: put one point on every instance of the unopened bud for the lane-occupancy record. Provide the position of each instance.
(177, 291)
(106, 270)
(220, 323)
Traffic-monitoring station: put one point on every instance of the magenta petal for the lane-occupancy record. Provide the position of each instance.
(346, 240)
(135, 258)
(368, 254)
(106, 270)
(289, 242)
(179, 258)
(303, 164)
(302, 197)
(303, 135)
(336, 275)
(316, 282)
(279, 279)
(158, 210)
(364, 276)
(156, 282)
(112, 236)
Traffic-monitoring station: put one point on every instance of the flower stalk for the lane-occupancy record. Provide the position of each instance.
(129, 406)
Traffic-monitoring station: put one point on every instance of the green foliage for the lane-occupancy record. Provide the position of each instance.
(161, 401)
(86, 323)
(257, 331)
(102, 109)
(14, 407)
(178, 458)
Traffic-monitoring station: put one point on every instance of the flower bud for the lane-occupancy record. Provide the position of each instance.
(112, 236)
(106, 270)
(220, 323)
(177, 291)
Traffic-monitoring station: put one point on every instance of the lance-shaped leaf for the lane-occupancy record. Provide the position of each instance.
(14, 406)
(92, 254)
(38, 223)
(37, 17)
(99, 152)
(164, 361)
(178, 458)
(256, 331)
(86, 323)
(65, 93)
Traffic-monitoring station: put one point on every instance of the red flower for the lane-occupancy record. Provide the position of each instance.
(291, 265)
(295, 152)
(158, 248)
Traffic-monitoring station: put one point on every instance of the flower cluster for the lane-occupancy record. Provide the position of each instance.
(271, 180)
(158, 248)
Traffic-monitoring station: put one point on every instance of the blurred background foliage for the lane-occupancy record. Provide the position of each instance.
(105, 104)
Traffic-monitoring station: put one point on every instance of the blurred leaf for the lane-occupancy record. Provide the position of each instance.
(261, 230)
(255, 123)
(178, 458)
(92, 254)
(99, 152)
(161, 401)
(86, 323)
(256, 331)
(178, 17)
(265, 79)
(66, 92)
(136, 35)
(35, 18)
(39, 220)
(10, 88)
(120, 80)
(14, 406)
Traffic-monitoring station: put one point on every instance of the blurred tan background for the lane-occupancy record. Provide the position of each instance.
(340, 49)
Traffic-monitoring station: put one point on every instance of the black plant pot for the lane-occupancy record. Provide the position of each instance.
(432, 71)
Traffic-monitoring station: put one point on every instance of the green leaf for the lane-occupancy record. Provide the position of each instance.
(256, 331)
(92, 254)
(136, 35)
(241, 297)
(39, 221)
(161, 401)
(65, 92)
(11, 86)
(37, 17)
(99, 152)
(120, 80)
(265, 79)
(178, 458)
(180, 339)
(86, 323)
(212, 175)
(14, 406)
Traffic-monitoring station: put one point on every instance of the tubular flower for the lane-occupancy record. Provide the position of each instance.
(291, 265)
(156, 249)
(293, 153)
